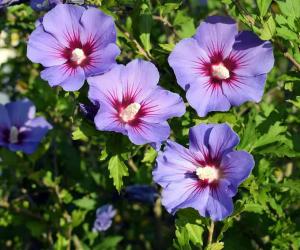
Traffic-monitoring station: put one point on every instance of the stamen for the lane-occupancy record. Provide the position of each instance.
(220, 71)
(13, 135)
(129, 113)
(207, 173)
(78, 56)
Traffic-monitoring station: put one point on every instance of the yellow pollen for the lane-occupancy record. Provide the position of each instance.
(220, 71)
(207, 173)
(13, 135)
(78, 56)
(129, 113)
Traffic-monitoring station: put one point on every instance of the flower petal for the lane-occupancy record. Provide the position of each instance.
(63, 22)
(204, 97)
(174, 164)
(139, 78)
(254, 56)
(102, 35)
(35, 129)
(184, 194)
(219, 204)
(102, 60)
(146, 132)
(44, 48)
(4, 118)
(199, 136)
(217, 35)
(107, 120)
(27, 147)
(222, 139)
(70, 79)
(106, 87)
(186, 60)
(20, 111)
(75, 80)
(161, 105)
(244, 88)
(236, 167)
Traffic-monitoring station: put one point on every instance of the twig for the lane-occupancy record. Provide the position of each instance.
(292, 59)
(166, 23)
(211, 233)
(251, 23)
(136, 43)
(132, 165)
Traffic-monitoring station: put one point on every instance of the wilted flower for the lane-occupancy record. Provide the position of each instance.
(89, 110)
(220, 66)
(104, 216)
(131, 102)
(73, 43)
(41, 5)
(207, 175)
(141, 193)
(19, 129)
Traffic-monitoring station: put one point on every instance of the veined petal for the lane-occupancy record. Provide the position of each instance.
(161, 105)
(139, 78)
(219, 203)
(63, 22)
(44, 48)
(217, 35)
(35, 129)
(102, 60)
(186, 60)
(100, 36)
(222, 139)
(175, 164)
(236, 167)
(252, 56)
(146, 132)
(205, 96)
(107, 87)
(4, 118)
(244, 88)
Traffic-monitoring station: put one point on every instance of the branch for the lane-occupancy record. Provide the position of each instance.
(210, 233)
(166, 23)
(292, 60)
(136, 43)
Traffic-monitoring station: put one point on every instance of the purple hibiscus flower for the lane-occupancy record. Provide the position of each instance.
(131, 102)
(104, 216)
(73, 43)
(19, 129)
(205, 176)
(221, 67)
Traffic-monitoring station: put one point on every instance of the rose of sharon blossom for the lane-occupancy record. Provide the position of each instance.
(73, 43)
(207, 175)
(20, 130)
(220, 67)
(131, 103)
(104, 216)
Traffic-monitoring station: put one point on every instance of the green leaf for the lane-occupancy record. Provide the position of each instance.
(290, 7)
(273, 135)
(85, 203)
(145, 27)
(286, 33)
(78, 217)
(216, 246)
(269, 29)
(118, 170)
(79, 135)
(109, 243)
(263, 6)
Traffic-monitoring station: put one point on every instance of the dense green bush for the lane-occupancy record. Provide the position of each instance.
(48, 200)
